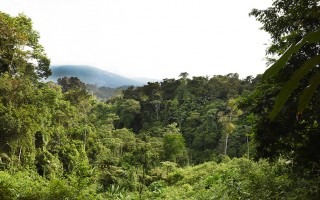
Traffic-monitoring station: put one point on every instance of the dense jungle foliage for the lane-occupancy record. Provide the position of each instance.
(185, 138)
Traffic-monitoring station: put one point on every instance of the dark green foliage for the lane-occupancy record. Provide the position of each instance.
(129, 112)
(290, 133)
(194, 105)
(74, 89)
(294, 81)
(71, 83)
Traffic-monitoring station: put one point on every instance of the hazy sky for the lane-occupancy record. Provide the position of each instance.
(150, 38)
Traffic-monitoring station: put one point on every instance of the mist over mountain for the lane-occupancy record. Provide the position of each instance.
(92, 75)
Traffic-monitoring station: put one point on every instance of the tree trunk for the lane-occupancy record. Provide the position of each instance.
(226, 144)
(248, 147)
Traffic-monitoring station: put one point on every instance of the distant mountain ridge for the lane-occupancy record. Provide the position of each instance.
(91, 75)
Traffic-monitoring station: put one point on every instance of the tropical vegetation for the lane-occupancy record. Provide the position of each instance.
(218, 137)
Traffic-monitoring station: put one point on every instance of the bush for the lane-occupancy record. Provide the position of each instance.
(6, 187)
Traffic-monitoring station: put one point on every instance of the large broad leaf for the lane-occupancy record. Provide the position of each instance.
(292, 84)
(294, 80)
(308, 92)
(311, 37)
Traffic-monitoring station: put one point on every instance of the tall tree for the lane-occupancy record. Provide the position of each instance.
(288, 22)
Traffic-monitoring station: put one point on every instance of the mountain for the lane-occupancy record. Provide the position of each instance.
(91, 75)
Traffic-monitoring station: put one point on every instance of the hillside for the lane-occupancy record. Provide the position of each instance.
(91, 75)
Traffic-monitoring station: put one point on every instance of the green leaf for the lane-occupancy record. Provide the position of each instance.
(311, 37)
(308, 92)
(292, 84)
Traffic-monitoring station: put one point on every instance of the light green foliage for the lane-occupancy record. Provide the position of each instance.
(6, 186)
(126, 142)
(174, 145)
(233, 179)
(21, 54)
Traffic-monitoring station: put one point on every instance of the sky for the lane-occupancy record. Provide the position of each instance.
(150, 38)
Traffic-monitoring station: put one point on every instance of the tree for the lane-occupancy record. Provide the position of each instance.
(21, 53)
(71, 83)
(174, 145)
(168, 88)
(227, 119)
(74, 89)
(128, 111)
(288, 22)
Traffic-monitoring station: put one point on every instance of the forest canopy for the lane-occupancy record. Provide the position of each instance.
(187, 138)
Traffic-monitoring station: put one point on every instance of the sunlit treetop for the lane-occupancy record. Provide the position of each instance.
(20, 51)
